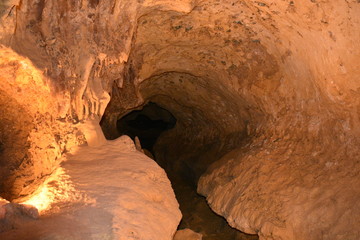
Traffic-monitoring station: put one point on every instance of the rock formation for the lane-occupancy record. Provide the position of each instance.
(265, 92)
(187, 234)
(104, 192)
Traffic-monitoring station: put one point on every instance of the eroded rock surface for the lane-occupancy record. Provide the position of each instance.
(273, 82)
(111, 191)
(279, 190)
(33, 136)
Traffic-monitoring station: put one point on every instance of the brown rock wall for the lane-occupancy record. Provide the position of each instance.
(275, 80)
(33, 137)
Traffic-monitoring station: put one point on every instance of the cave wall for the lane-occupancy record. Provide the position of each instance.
(279, 79)
(32, 135)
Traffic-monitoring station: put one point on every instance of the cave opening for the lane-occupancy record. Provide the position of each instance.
(147, 124)
(160, 133)
(261, 105)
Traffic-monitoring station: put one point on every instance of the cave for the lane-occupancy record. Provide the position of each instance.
(147, 124)
(182, 119)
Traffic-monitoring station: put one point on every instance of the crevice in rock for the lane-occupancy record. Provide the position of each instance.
(186, 149)
(147, 124)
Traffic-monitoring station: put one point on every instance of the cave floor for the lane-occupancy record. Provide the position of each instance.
(198, 216)
(102, 193)
(92, 197)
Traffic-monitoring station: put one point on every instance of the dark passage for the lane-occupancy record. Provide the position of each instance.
(147, 124)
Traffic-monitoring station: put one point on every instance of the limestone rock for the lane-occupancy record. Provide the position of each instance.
(111, 191)
(92, 132)
(187, 234)
(273, 84)
(14, 215)
(15, 209)
(271, 191)
(32, 135)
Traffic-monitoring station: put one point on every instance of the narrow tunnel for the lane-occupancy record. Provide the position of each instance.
(147, 124)
(251, 107)
(180, 125)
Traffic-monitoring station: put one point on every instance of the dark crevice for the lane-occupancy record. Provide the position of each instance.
(153, 121)
(147, 124)
(186, 124)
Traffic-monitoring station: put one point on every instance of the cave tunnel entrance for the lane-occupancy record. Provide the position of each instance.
(148, 124)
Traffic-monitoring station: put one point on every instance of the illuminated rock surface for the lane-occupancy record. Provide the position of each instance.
(112, 192)
(266, 93)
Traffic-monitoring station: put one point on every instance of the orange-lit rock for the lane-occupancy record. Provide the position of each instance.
(272, 85)
(33, 136)
(103, 192)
